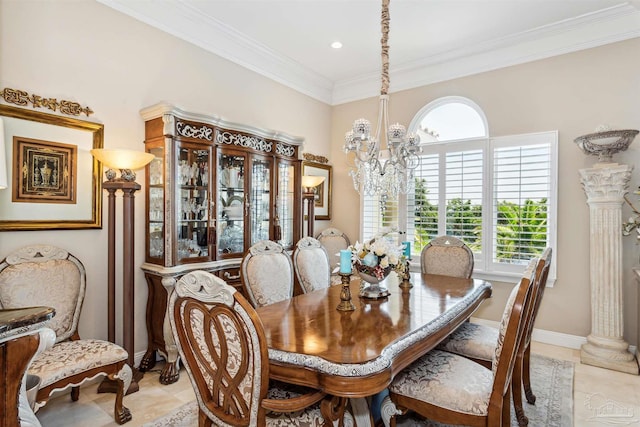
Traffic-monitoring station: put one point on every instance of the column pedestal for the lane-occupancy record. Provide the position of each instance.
(605, 187)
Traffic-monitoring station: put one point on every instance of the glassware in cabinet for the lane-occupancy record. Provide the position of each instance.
(285, 205)
(260, 199)
(193, 202)
(231, 210)
(155, 205)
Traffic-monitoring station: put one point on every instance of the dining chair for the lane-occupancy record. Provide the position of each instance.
(452, 389)
(333, 241)
(448, 256)
(478, 342)
(44, 275)
(222, 344)
(311, 264)
(267, 273)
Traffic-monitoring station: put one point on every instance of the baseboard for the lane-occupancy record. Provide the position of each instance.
(549, 337)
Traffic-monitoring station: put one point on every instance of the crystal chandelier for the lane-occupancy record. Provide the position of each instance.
(390, 171)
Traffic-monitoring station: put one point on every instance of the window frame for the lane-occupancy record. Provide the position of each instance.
(484, 267)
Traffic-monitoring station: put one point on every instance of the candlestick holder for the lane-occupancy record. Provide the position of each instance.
(345, 293)
(406, 284)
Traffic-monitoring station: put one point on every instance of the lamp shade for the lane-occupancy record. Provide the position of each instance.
(3, 159)
(122, 159)
(310, 181)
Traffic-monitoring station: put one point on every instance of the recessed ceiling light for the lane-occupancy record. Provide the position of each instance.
(336, 45)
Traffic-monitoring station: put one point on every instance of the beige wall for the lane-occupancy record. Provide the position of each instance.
(573, 94)
(89, 53)
(84, 51)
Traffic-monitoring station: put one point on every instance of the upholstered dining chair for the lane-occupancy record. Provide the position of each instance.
(223, 347)
(478, 342)
(447, 255)
(333, 240)
(452, 389)
(267, 273)
(311, 264)
(50, 276)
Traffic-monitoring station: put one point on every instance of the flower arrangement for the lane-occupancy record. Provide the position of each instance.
(378, 255)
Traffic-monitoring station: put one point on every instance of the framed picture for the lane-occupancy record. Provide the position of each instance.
(322, 207)
(47, 171)
(55, 181)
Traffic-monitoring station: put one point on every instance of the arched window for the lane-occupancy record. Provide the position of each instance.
(498, 194)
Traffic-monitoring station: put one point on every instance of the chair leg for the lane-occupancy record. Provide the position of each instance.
(75, 393)
(122, 379)
(203, 420)
(506, 408)
(526, 378)
(516, 390)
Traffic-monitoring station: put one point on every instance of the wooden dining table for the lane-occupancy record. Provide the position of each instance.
(355, 354)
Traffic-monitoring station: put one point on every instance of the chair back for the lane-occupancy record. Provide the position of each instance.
(267, 273)
(511, 331)
(448, 256)
(45, 275)
(333, 240)
(542, 273)
(311, 264)
(222, 345)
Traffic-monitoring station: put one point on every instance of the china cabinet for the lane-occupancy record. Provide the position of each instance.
(213, 189)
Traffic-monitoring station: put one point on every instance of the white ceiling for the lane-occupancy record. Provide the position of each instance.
(430, 40)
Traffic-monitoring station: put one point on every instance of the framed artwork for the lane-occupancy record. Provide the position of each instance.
(47, 171)
(55, 181)
(322, 206)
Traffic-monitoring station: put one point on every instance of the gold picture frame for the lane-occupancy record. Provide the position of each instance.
(322, 206)
(49, 131)
(45, 171)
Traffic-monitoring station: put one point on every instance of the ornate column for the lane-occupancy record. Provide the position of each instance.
(605, 187)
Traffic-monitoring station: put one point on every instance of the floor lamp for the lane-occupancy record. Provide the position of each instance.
(126, 161)
(309, 183)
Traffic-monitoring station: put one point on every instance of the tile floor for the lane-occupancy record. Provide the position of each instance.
(593, 388)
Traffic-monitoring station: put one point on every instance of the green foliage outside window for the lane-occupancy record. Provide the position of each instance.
(521, 231)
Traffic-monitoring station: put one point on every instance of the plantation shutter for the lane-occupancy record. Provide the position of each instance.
(422, 205)
(522, 182)
(463, 196)
(378, 212)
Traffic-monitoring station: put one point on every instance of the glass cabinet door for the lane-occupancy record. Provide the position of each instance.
(285, 202)
(231, 204)
(155, 205)
(192, 174)
(260, 199)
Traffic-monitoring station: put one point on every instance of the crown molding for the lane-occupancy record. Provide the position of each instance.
(609, 25)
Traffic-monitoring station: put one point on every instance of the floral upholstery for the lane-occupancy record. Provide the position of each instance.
(221, 345)
(448, 256)
(333, 240)
(53, 283)
(472, 340)
(311, 264)
(73, 357)
(502, 330)
(267, 273)
(45, 275)
(448, 381)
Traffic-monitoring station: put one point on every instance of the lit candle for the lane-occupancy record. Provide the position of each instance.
(407, 249)
(345, 261)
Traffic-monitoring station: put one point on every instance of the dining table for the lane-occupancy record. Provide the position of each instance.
(356, 354)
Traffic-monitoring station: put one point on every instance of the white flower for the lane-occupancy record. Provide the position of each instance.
(393, 259)
(384, 262)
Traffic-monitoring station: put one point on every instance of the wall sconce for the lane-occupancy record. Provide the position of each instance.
(309, 182)
(3, 159)
(126, 161)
